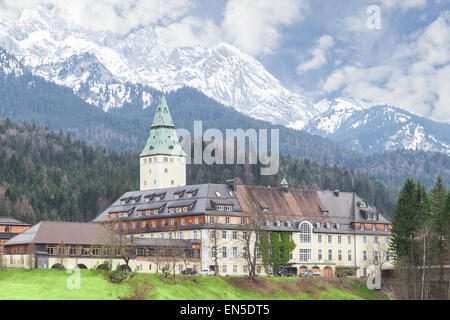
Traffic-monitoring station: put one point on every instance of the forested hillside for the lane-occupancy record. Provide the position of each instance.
(47, 175)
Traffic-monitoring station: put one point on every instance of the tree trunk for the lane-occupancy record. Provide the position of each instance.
(423, 269)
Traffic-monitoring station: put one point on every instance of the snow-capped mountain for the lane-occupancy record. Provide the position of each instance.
(9, 66)
(102, 68)
(379, 128)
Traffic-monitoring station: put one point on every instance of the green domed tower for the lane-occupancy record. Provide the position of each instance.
(163, 161)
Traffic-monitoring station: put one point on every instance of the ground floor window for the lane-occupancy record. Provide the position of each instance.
(235, 268)
(224, 268)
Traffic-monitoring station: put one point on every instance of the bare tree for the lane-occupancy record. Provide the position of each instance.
(251, 240)
(378, 254)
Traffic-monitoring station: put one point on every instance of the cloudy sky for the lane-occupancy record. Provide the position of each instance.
(381, 51)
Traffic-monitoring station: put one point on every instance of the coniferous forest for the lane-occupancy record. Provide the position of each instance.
(46, 175)
(420, 233)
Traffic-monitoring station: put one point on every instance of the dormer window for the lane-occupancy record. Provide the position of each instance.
(277, 223)
(363, 204)
(176, 195)
(328, 225)
(188, 194)
(324, 212)
(229, 208)
(338, 225)
(157, 198)
(218, 194)
(268, 223)
(231, 193)
(220, 208)
(133, 200)
(123, 201)
(318, 224)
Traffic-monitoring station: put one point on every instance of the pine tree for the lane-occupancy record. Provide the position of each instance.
(438, 195)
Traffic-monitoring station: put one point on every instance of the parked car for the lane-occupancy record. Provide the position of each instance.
(189, 271)
(286, 272)
(206, 272)
(307, 273)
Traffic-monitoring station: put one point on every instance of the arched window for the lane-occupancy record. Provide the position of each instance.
(305, 232)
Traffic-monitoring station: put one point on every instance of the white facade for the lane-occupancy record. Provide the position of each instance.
(162, 171)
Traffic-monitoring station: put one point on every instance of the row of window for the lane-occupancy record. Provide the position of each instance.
(155, 223)
(227, 220)
(305, 255)
(164, 159)
(259, 269)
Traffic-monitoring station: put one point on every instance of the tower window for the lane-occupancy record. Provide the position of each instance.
(166, 170)
(165, 159)
(172, 182)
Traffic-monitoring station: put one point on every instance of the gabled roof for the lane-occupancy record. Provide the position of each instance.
(163, 139)
(52, 232)
(294, 205)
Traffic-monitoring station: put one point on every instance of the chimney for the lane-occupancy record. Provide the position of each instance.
(336, 193)
(234, 182)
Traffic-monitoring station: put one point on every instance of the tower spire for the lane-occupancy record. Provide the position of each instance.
(162, 161)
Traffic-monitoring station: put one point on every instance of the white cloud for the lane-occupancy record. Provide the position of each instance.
(403, 4)
(253, 25)
(189, 31)
(318, 53)
(116, 15)
(416, 77)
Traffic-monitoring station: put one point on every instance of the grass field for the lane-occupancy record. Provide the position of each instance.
(51, 285)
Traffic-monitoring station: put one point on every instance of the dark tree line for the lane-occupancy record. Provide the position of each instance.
(420, 233)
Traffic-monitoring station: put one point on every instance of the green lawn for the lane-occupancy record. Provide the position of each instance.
(51, 284)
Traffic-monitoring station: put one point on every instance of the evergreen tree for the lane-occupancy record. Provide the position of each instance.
(438, 198)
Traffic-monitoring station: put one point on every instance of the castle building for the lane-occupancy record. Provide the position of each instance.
(333, 232)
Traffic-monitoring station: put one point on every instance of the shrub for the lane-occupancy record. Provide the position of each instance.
(140, 289)
(117, 276)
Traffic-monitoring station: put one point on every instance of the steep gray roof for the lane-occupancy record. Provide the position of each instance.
(344, 208)
(9, 221)
(202, 201)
